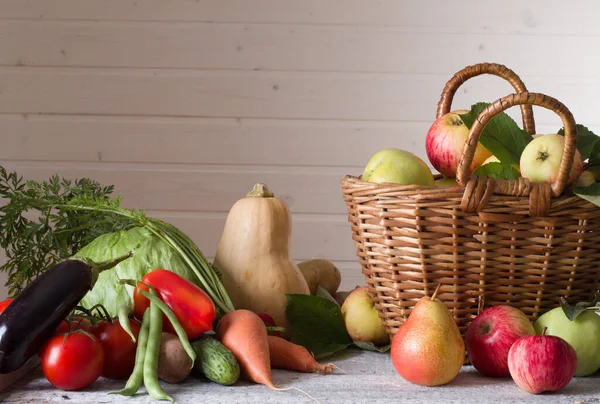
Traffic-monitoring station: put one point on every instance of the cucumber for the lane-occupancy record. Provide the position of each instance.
(214, 361)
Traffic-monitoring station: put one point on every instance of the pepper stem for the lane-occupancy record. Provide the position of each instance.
(260, 191)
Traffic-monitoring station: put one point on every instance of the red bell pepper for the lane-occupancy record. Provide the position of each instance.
(193, 308)
(4, 303)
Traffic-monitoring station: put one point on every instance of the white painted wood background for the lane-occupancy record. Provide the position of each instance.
(184, 105)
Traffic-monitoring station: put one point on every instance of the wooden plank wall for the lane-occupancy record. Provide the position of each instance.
(184, 105)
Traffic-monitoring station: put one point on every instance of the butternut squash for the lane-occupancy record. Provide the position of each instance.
(253, 255)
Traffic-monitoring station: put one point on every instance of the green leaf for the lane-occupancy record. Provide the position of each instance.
(322, 292)
(594, 161)
(501, 136)
(573, 311)
(369, 346)
(317, 324)
(586, 141)
(497, 170)
(590, 193)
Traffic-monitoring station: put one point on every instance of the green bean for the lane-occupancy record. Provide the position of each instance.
(152, 351)
(176, 325)
(123, 315)
(135, 379)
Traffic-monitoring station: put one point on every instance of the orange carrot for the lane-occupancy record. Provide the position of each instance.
(245, 335)
(287, 355)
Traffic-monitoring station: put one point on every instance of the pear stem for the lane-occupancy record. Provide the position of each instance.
(436, 292)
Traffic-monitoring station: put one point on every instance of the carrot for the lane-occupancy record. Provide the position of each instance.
(287, 355)
(245, 335)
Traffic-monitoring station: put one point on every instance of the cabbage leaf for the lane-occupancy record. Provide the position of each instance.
(149, 253)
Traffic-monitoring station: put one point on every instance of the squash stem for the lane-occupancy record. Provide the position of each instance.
(260, 191)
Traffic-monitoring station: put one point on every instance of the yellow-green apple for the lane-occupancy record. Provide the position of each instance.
(445, 143)
(362, 319)
(540, 159)
(446, 182)
(490, 336)
(586, 179)
(397, 166)
(583, 334)
(539, 363)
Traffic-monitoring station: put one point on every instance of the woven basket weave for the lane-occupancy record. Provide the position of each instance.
(487, 242)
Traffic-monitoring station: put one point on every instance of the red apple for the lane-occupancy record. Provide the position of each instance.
(445, 142)
(490, 336)
(539, 363)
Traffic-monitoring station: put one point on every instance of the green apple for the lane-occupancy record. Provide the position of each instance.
(540, 159)
(446, 182)
(362, 319)
(583, 334)
(586, 179)
(397, 166)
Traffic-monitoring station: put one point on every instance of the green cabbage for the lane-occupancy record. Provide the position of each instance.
(149, 252)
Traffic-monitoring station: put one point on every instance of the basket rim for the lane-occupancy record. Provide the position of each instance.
(357, 191)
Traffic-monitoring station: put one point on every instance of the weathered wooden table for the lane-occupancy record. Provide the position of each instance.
(365, 377)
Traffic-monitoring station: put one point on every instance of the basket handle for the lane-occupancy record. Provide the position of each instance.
(499, 70)
(539, 193)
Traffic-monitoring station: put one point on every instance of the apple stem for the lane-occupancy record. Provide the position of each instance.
(436, 292)
(544, 330)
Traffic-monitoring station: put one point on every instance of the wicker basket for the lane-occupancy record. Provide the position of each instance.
(487, 242)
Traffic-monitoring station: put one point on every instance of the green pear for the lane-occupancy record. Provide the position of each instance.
(428, 349)
(583, 334)
(397, 166)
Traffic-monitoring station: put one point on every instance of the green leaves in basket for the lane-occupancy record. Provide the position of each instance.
(590, 193)
(573, 311)
(587, 142)
(497, 170)
(317, 324)
(594, 161)
(501, 136)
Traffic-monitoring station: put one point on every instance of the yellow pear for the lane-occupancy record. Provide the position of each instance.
(428, 349)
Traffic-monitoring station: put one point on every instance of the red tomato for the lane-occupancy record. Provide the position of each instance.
(193, 308)
(72, 361)
(62, 328)
(4, 304)
(77, 323)
(119, 348)
(269, 322)
(80, 323)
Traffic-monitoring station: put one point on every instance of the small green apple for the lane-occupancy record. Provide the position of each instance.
(362, 319)
(446, 182)
(583, 334)
(397, 166)
(586, 179)
(540, 159)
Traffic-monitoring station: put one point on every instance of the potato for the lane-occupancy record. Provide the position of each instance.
(327, 274)
(311, 274)
(174, 364)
